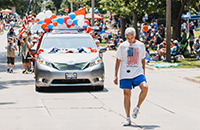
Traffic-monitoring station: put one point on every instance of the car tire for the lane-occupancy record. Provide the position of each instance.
(99, 88)
(39, 89)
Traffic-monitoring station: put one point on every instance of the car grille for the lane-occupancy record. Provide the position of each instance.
(64, 66)
(70, 81)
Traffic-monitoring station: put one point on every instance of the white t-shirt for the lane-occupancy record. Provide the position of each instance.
(131, 59)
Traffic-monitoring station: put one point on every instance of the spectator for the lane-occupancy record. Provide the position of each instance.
(34, 41)
(11, 48)
(183, 37)
(11, 30)
(174, 49)
(145, 28)
(197, 49)
(98, 47)
(191, 40)
(25, 53)
(118, 22)
(147, 57)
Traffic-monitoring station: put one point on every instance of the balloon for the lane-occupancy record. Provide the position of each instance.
(48, 13)
(89, 29)
(80, 23)
(41, 16)
(46, 29)
(85, 25)
(72, 16)
(55, 20)
(66, 18)
(44, 25)
(55, 24)
(50, 26)
(69, 26)
(69, 21)
(60, 20)
(72, 24)
(53, 16)
(41, 21)
(37, 20)
(47, 20)
(75, 22)
(86, 21)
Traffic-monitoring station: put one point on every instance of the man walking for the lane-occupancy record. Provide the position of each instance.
(130, 57)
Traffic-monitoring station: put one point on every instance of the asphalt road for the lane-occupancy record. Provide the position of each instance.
(173, 103)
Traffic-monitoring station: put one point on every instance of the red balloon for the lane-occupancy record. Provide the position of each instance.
(55, 24)
(47, 20)
(86, 21)
(53, 16)
(44, 25)
(37, 20)
(46, 29)
(89, 29)
(72, 24)
(66, 18)
(69, 26)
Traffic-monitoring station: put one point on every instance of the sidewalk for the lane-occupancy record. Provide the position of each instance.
(185, 73)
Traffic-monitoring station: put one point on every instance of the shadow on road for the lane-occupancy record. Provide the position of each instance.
(15, 83)
(73, 89)
(6, 103)
(145, 127)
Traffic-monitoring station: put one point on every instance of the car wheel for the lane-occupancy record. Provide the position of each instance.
(39, 89)
(99, 87)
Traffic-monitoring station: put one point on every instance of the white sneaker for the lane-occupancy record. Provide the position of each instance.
(127, 122)
(135, 112)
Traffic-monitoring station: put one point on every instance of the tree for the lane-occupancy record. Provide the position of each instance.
(64, 4)
(57, 4)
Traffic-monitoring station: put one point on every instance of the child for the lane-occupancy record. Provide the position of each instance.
(11, 48)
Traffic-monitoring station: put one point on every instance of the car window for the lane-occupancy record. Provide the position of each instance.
(67, 42)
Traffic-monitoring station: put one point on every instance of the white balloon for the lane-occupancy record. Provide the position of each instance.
(41, 16)
(48, 13)
(80, 23)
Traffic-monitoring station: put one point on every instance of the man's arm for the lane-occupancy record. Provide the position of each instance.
(117, 64)
(143, 65)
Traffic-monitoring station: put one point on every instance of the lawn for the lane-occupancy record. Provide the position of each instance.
(185, 63)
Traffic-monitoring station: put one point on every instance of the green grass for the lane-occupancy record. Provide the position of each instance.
(198, 77)
(103, 44)
(185, 63)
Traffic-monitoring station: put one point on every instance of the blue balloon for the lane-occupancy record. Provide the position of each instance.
(41, 21)
(75, 22)
(60, 20)
(54, 20)
(69, 21)
(50, 26)
(72, 16)
(85, 25)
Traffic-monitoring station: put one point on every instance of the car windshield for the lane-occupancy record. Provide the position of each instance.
(67, 42)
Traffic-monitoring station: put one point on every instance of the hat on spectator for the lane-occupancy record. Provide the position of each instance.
(121, 40)
(34, 40)
(97, 41)
(175, 41)
(10, 39)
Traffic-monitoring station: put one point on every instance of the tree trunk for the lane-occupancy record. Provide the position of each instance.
(122, 27)
(168, 31)
(57, 10)
(135, 20)
(176, 29)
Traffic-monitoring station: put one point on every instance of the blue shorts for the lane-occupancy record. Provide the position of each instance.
(129, 83)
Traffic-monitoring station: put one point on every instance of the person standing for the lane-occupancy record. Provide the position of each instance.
(11, 48)
(191, 40)
(130, 59)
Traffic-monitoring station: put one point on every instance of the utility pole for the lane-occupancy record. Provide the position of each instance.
(168, 30)
(92, 13)
(71, 7)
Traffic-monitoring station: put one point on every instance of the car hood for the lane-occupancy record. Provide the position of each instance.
(69, 58)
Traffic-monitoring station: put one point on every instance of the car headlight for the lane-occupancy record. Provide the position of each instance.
(95, 62)
(44, 62)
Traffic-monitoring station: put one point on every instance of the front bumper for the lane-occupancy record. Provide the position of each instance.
(49, 77)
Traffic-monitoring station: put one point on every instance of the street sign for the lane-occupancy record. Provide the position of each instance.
(66, 10)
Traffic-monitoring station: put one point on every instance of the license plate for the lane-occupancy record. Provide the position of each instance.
(70, 75)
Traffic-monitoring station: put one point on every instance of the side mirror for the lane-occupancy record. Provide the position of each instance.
(102, 50)
(33, 51)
